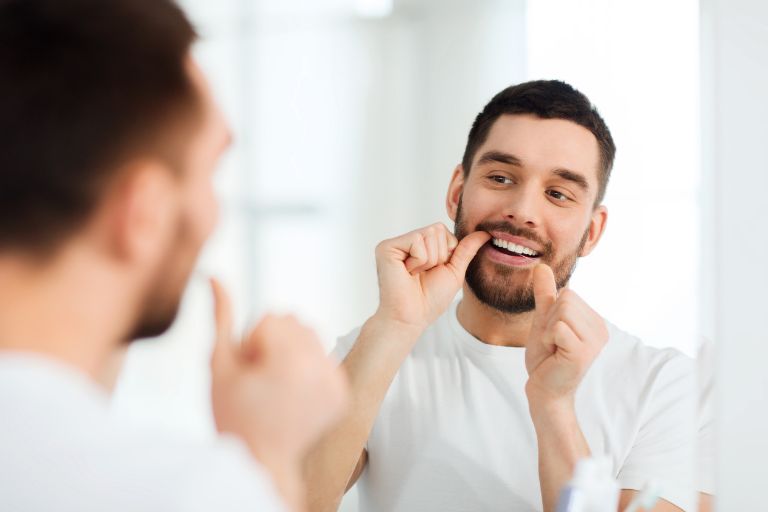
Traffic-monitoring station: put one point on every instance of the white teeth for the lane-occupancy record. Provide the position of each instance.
(520, 249)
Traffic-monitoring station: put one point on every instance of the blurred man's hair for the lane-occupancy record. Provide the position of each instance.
(547, 99)
(86, 87)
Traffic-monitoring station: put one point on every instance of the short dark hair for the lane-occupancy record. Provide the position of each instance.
(547, 99)
(86, 86)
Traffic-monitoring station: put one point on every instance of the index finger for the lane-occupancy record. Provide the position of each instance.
(222, 310)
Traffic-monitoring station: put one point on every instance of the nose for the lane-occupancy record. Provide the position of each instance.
(523, 207)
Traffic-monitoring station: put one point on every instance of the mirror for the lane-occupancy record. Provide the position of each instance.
(350, 116)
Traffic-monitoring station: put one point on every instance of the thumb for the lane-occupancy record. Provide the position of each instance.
(466, 250)
(544, 289)
(540, 345)
(223, 348)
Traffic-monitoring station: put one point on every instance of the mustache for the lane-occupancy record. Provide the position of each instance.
(506, 227)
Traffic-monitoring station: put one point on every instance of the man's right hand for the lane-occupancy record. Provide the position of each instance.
(421, 272)
(277, 391)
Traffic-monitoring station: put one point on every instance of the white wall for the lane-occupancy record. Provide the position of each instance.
(735, 73)
(638, 62)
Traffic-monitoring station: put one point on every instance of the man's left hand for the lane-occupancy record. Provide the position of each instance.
(566, 337)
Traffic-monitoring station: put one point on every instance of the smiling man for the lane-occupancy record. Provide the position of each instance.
(489, 402)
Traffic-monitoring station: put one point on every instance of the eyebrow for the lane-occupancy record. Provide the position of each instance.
(500, 157)
(574, 177)
(510, 159)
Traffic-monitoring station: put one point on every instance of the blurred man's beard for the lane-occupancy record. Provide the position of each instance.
(159, 314)
(497, 287)
(163, 299)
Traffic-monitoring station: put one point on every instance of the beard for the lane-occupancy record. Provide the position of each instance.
(500, 286)
(158, 313)
(162, 300)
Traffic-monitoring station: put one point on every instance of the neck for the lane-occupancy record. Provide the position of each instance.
(490, 325)
(66, 310)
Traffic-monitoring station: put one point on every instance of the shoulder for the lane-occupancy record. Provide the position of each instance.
(626, 348)
(212, 474)
(627, 360)
(222, 475)
(120, 465)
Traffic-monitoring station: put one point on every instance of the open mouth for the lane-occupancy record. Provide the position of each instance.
(513, 249)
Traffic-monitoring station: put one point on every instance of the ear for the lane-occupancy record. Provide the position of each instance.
(455, 190)
(596, 228)
(142, 209)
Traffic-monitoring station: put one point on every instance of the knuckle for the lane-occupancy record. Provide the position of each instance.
(269, 320)
(561, 328)
(557, 313)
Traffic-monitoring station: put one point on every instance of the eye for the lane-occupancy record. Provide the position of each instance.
(502, 180)
(558, 196)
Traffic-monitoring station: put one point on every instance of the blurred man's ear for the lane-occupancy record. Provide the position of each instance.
(140, 212)
(455, 189)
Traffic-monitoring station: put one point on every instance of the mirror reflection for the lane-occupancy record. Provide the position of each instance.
(486, 216)
(350, 122)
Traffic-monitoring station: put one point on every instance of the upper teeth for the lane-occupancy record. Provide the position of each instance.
(498, 242)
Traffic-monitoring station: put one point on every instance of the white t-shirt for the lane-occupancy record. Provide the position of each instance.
(61, 450)
(454, 431)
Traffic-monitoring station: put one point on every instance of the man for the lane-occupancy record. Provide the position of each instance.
(108, 141)
(488, 404)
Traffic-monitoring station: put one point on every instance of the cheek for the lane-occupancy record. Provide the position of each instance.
(203, 212)
(568, 233)
(477, 207)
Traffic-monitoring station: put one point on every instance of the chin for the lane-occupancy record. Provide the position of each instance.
(155, 322)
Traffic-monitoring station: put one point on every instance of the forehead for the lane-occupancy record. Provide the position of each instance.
(544, 144)
(214, 128)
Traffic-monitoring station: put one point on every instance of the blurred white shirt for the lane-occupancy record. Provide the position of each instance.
(60, 449)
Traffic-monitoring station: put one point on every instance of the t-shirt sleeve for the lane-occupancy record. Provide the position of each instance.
(227, 477)
(344, 345)
(665, 446)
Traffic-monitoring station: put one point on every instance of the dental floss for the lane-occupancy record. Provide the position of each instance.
(592, 489)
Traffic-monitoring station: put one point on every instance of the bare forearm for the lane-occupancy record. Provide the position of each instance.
(371, 366)
(561, 444)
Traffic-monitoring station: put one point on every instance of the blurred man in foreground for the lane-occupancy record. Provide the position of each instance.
(108, 142)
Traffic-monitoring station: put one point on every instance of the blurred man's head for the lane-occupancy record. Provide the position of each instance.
(534, 173)
(108, 137)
